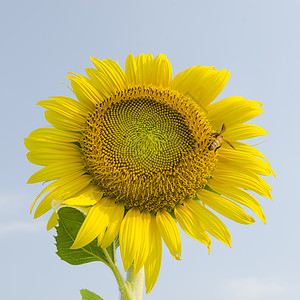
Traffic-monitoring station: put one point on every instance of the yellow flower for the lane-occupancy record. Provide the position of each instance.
(141, 150)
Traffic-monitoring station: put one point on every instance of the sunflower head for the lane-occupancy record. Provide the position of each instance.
(140, 151)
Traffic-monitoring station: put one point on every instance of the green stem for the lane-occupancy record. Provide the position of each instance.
(123, 286)
(136, 283)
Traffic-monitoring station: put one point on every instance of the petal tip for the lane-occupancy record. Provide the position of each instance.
(126, 266)
(29, 181)
(208, 248)
(229, 242)
(75, 246)
(177, 256)
(251, 220)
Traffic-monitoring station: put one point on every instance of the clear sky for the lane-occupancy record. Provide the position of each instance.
(258, 41)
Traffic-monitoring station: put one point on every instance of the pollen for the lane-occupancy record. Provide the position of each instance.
(148, 147)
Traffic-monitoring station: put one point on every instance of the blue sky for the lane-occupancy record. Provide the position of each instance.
(258, 41)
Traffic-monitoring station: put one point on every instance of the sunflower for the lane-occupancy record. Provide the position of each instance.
(141, 152)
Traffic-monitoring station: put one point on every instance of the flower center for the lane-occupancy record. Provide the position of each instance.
(144, 136)
(147, 147)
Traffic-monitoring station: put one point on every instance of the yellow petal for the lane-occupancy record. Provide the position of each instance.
(131, 69)
(117, 74)
(71, 105)
(246, 179)
(110, 75)
(56, 170)
(238, 196)
(58, 204)
(130, 236)
(47, 157)
(43, 144)
(259, 169)
(95, 222)
(45, 190)
(143, 243)
(249, 149)
(243, 132)
(58, 183)
(153, 262)
(144, 65)
(115, 219)
(63, 192)
(53, 220)
(252, 151)
(232, 110)
(191, 225)
(202, 83)
(85, 199)
(55, 135)
(101, 82)
(85, 92)
(62, 122)
(45, 204)
(145, 70)
(187, 80)
(162, 71)
(243, 160)
(169, 232)
(76, 187)
(67, 108)
(224, 206)
(211, 223)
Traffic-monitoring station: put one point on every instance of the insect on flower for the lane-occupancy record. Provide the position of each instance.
(217, 143)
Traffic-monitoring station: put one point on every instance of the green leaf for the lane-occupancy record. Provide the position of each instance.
(69, 223)
(88, 295)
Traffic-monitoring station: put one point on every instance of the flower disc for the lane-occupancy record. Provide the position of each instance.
(147, 147)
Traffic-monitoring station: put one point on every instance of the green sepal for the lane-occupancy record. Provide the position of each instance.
(210, 189)
(88, 295)
(69, 223)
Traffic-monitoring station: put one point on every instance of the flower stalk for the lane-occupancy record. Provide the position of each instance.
(123, 286)
(136, 283)
(132, 288)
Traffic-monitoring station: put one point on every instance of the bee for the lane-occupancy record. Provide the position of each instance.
(217, 143)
